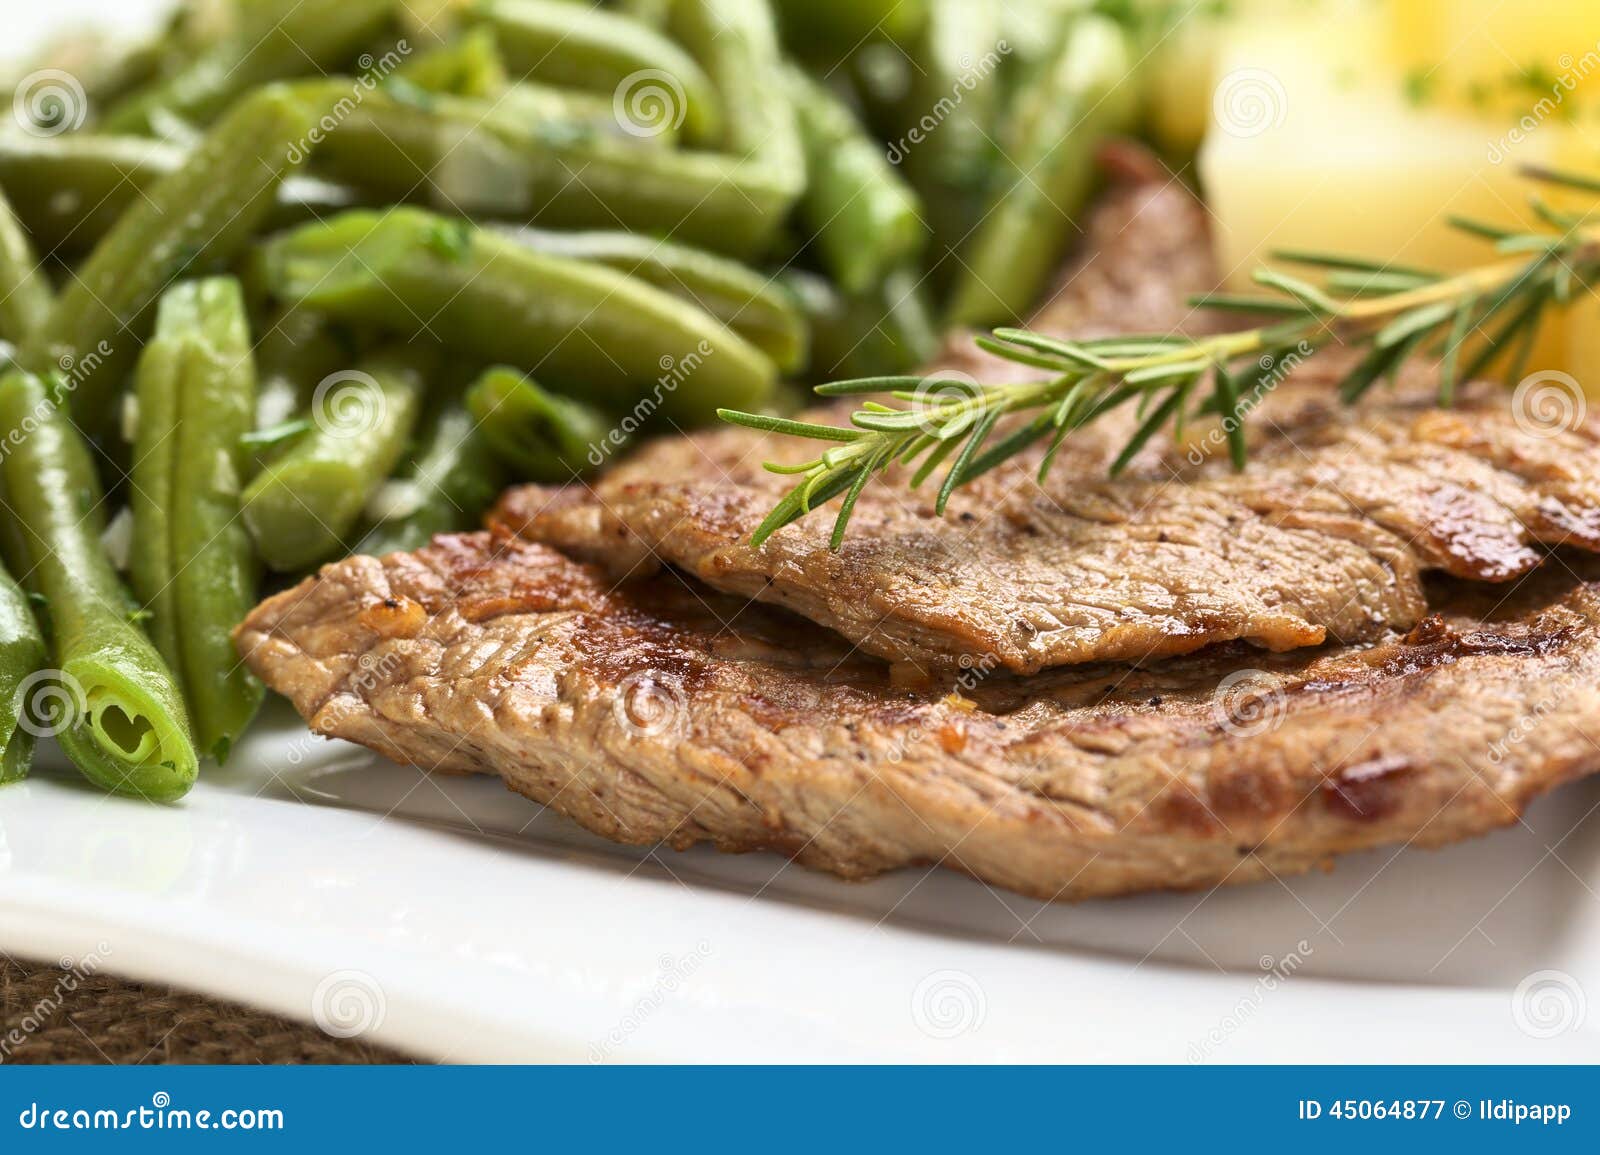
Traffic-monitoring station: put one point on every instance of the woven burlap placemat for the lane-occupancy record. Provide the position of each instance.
(98, 1018)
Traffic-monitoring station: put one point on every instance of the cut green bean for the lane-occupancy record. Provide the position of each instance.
(537, 110)
(278, 39)
(651, 81)
(22, 656)
(464, 157)
(956, 98)
(452, 480)
(736, 42)
(202, 213)
(193, 563)
(302, 507)
(826, 26)
(863, 218)
(104, 67)
(297, 349)
(115, 708)
(69, 191)
(589, 330)
(652, 12)
(888, 329)
(25, 293)
(750, 303)
(1050, 174)
(538, 435)
(469, 65)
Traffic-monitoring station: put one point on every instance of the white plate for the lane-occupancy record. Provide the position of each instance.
(462, 922)
(454, 919)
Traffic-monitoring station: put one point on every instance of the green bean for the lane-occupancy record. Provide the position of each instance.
(956, 95)
(22, 656)
(1034, 30)
(193, 564)
(750, 303)
(69, 191)
(103, 68)
(25, 293)
(119, 714)
(302, 505)
(540, 436)
(652, 81)
(888, 329)
(827, 25)
(107, 65)
(737, 44)
(458, 155)
(652, 12)
(1050, 174)
(863, 217)
(277, 40)
(525, 108)
(429, 21)
(589, 330)
(452, 480)
(297, 349)
(469, 65)
(200, 214)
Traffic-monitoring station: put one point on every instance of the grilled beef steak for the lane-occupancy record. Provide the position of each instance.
(660, 712)
(1326, 537)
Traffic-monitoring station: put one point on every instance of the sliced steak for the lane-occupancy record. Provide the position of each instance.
(662, 712)
(1325, 537)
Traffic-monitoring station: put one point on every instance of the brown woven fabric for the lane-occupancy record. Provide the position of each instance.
(100, 1019)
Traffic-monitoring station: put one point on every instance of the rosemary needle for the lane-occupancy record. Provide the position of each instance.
(1389, 311)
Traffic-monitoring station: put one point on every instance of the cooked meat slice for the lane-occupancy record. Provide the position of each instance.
(1326, 537)
(661, 712)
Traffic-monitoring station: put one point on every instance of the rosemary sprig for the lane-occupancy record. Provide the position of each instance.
(1389, 310)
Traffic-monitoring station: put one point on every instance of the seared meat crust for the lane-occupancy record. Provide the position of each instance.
(659, 711)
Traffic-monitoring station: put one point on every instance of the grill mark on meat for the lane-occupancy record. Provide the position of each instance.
(1326, 538)
(1368, 790)
(1076, 782)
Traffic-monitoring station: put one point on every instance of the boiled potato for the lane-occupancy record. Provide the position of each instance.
(1320, 140)
(1499, 58)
